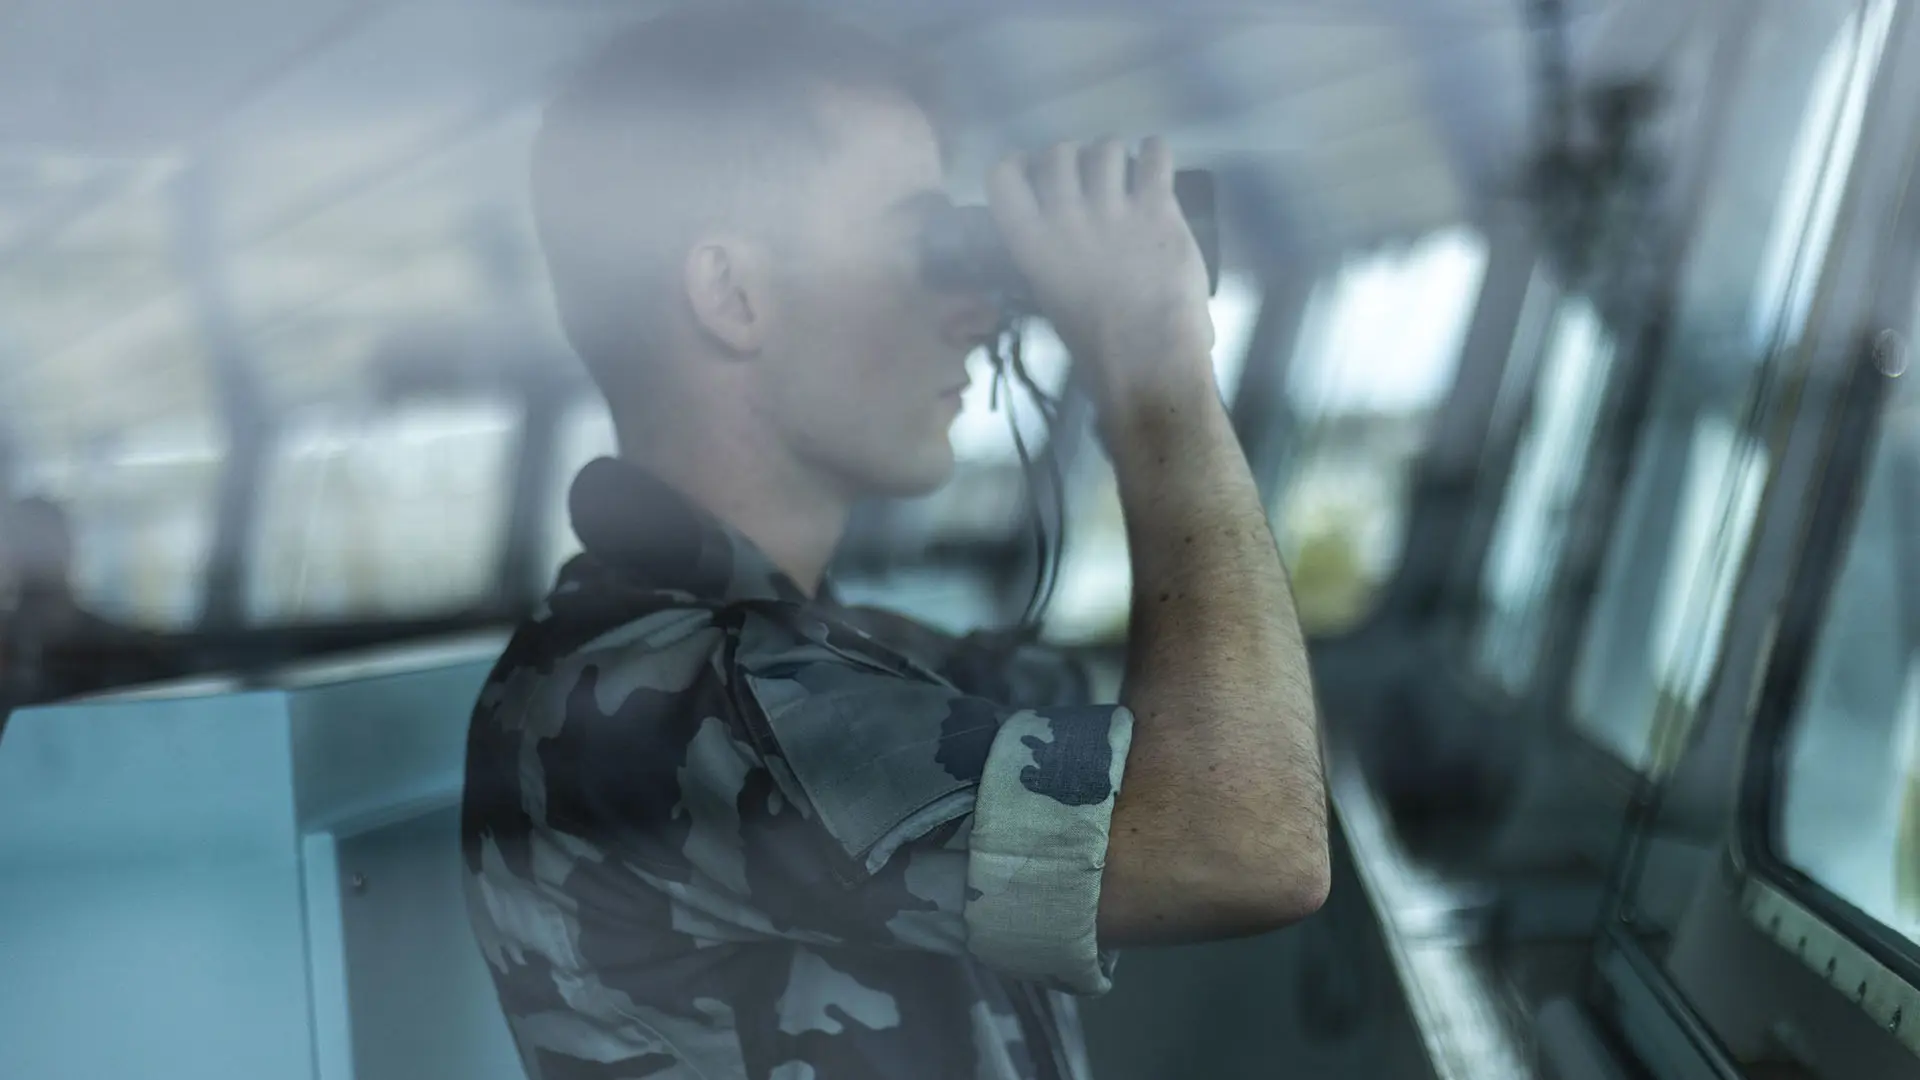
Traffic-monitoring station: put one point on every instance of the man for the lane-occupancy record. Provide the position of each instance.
(720, 826)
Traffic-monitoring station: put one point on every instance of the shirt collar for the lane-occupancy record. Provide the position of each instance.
(635, 523)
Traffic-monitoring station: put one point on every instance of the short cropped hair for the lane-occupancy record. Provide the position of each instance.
(682, 123)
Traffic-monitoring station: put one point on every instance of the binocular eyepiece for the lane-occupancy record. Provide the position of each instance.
(961, 249)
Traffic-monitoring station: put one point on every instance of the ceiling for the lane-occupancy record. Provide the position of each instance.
(290, 179)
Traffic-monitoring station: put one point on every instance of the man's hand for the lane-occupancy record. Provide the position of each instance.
(1116, 270)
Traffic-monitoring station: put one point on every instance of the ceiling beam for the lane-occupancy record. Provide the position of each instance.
(1468, 86)
(97, 193)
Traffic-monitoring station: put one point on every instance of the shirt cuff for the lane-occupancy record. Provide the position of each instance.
(1041, 821)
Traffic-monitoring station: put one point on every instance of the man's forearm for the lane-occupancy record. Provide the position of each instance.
(1220, 822)
(1224, 780)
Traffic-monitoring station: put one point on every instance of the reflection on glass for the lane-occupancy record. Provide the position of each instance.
(449, 240)
(106, 379)
(1531, 532)
(983, 433)
(1690, 511)
(392, 514)
(108, 264)
(142, 507)
(1726, 473)
(1375, 357)
(1852, 784)
(1653, 640)
(1822, 159)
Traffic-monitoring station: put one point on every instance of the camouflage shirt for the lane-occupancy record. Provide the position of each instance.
(717, 830)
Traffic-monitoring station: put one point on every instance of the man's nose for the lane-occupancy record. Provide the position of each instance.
(970, 321)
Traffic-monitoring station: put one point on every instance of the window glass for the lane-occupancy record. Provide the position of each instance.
(1531, 531)
(1654, 637)
(392, 513)
(983, 433)
(1850, 808)
(1375, 357)
(1669, 576)
(1726, 472)
(1817, 171)
(394, 333)
(106, 379)
(141, 507)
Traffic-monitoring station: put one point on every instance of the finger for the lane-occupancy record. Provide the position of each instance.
(1153, 175)
(1103, 168)
(1057, 179)
(1010, 194)
(1015, 209)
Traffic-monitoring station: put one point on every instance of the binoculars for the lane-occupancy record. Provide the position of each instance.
(961, 248)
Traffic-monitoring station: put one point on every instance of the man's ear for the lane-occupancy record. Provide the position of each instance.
(725, 281)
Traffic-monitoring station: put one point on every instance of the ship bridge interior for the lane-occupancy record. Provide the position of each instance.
(1565, 340)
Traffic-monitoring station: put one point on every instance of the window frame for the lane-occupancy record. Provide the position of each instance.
(1875, 967)
(1631, 394)
(1619, 414)
(1780, 358)
(1624, 360)
(1772, 885)
(1640, 1003)
(1627, 398)
(1825, 432)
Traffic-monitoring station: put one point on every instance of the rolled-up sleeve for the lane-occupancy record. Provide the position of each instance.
(1041, 822)
(996, 819)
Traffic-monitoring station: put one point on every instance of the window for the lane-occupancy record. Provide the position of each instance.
(983, 433)
(1530, 533)
(1668, 580)
(396, 333)
(141, 506)
(393, 513)
(1817, 174)
(1655, 634)
(1374, 359)
(1720, 498)
(106, 382)
(1850, 809)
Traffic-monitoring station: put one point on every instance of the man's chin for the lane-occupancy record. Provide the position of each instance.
(914, 478)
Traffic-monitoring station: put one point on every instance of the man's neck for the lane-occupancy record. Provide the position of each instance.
(794, 517)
